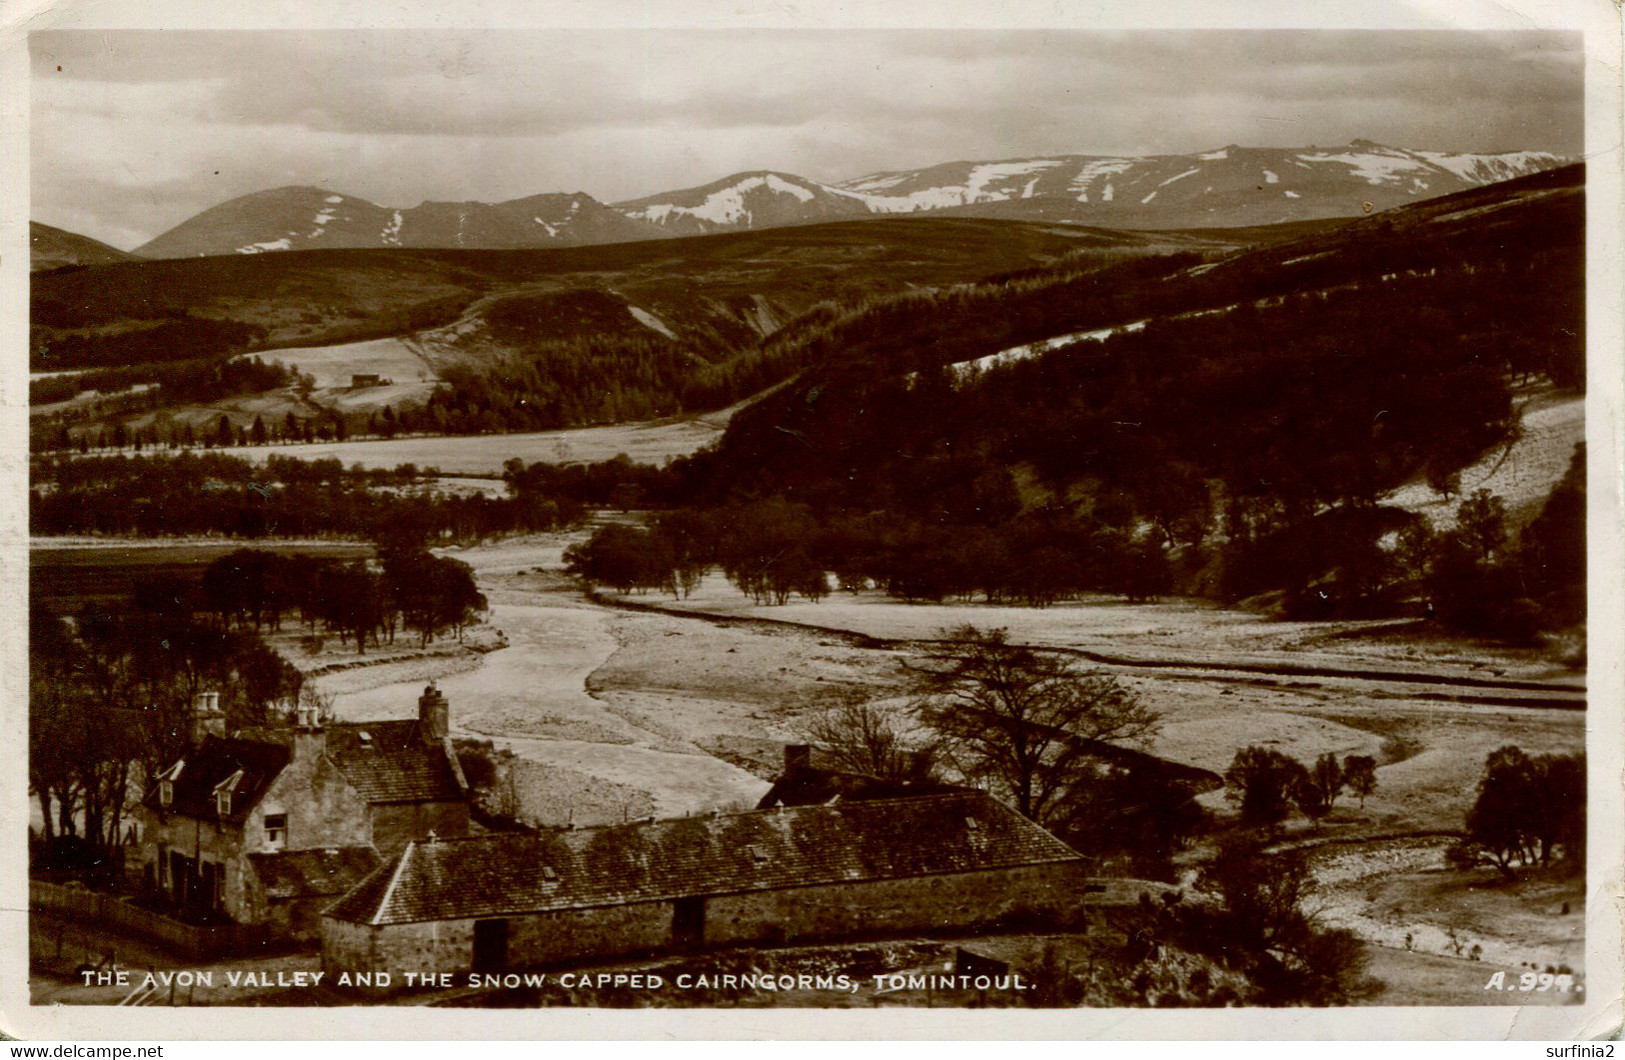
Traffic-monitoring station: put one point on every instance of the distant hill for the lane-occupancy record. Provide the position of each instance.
(1228, 187)
(306, 218)
(56, 248)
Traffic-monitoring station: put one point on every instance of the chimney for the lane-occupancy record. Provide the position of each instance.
(207, 717)
(309, 738)
(434, 714)
(797, 756)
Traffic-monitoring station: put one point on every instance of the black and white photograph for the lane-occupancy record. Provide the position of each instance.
(836, 517)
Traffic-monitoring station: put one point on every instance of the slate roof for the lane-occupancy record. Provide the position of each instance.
(813, 786)
(387, 761)
(312, 873)
(764, 850)
(211, 762)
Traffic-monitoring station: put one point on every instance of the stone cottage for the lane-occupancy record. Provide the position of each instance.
(866, 868)
(269, 827)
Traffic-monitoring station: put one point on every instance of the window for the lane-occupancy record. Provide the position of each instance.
(276, 830)
(222, 793)
(166, 792)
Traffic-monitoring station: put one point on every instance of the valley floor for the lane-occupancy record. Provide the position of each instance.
(685, 707)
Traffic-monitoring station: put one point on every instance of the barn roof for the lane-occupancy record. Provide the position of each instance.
(764, 850)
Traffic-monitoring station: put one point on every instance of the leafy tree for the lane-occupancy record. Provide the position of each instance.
(1317, 787)
(1019, 720)
(1263, 781)
(1481, 523)
(1360, 773)
(1527, 808)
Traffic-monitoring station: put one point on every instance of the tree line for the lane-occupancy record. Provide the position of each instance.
(212, 493)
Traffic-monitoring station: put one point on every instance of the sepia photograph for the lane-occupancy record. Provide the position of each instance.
(693, 518)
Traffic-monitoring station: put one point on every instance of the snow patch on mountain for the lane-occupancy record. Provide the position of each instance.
(275, 244)
(1271, 178)
(552, 231)
(1095, 169)
(1148, 198)
(1292, 195)
(725, 206)
(983, 175)
(391, 235)
(334, 199)
(1216, 156)
(1180, 176)
(1485, 169)
(1373, 168)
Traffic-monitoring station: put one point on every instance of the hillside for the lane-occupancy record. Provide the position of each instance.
(1226, 427)
(56, 248)
(1229, 187)
(526, 340)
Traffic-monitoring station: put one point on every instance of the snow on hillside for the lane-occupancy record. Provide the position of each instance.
(1486, 169)
(725, 206)
(1093, 170)
(275, 244)
(1550, 423)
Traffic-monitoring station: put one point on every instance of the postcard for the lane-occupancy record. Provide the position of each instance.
(1092, 522)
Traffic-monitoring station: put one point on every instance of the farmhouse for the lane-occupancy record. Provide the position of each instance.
(865, 868)
(271, 826)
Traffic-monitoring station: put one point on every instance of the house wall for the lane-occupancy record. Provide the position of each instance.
(396, 824)
(323, 809)
(202, 839)
(1054, 893)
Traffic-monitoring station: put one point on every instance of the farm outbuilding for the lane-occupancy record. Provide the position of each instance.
(852, 869)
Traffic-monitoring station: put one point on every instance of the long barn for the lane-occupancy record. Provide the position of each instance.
(510, 901)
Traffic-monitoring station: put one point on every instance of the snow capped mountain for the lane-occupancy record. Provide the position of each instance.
(1226, 187)
(745, 200)
(303, 218)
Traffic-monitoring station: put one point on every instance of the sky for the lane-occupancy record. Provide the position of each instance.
(134, 131)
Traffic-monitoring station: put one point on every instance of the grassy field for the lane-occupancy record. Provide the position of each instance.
(653, 442)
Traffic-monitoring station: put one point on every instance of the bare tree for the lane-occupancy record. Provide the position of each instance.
(1023, 722)
(861, 738)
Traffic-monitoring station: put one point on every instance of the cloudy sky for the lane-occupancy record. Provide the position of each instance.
(135, 131)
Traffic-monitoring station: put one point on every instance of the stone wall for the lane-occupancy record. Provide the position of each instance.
(1046, 893)
(1052, 895)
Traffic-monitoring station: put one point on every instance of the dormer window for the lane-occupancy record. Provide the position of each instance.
(222, 793)
(276, 830)
(166, 783)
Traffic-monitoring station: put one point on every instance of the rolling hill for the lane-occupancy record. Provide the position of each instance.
(1227, 187)
(306, 218)
(57, 248)
(521, 339)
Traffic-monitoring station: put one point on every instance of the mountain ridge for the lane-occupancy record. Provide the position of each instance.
(1225, 187)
